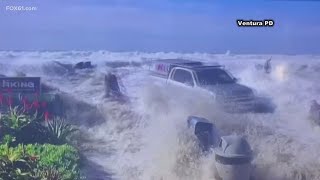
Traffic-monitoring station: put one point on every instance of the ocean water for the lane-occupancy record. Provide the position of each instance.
(147, 137)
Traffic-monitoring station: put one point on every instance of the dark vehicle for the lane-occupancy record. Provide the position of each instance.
(206, 132)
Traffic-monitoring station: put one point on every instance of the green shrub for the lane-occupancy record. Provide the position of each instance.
(59, 130)
(27, 129)
(22, 168)
(8, 139)
(16, 118)
(52, 161)
(35, 161)
(23, 128)
(16, 164)
(50, 173)
(65, 158)
(34, 133)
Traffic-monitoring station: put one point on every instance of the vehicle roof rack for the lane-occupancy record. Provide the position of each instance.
(187, 63)
(202, 66)
(209, 66)
(180, 62)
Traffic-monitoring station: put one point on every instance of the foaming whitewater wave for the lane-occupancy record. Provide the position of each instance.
(147, 141)
(288, 151)
(285, 142)
(148, 138)
(167, 151)
(113, 144)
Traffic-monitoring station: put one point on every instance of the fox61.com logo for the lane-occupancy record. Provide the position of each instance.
(21, 8)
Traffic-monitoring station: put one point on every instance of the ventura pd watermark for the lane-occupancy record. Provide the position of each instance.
(21, 8)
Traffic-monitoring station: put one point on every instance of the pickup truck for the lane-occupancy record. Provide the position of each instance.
(213, 79)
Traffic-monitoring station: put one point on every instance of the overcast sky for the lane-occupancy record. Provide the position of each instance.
(161, 25)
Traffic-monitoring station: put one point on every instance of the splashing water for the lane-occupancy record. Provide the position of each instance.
(148, 138)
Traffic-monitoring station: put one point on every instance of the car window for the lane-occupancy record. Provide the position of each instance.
(183, 76)
(214, 76)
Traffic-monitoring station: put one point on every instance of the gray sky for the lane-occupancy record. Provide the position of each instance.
(161, 25)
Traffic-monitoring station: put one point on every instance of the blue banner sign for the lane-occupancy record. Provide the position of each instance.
(20, 85)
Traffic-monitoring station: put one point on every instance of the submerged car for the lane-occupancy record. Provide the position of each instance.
(206, 132)
(214, 80)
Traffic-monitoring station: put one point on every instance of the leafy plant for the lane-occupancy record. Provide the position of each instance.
(8, 139)
(18, 169)
(16, 118)
(64, 158)
(16, 164)
(24, 127)
(59, 130)
(50, 173)
(35, 161)
(39, 162)
(31, 134)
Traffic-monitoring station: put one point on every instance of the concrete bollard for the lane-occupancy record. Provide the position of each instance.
(112, 88)
(314, 112)
(233, 158)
